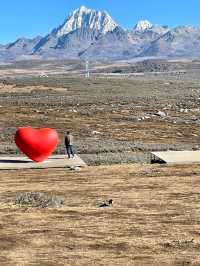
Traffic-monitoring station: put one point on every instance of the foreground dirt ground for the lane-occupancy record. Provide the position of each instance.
(154, 220)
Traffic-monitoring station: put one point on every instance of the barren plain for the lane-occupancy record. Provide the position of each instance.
(117, 121)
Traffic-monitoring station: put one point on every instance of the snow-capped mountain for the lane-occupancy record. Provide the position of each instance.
(88, 19)
(93, 34)
(142, 25)
(77, 33)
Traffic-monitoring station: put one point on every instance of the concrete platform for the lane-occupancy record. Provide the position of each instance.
(55, 161)
(177, 157)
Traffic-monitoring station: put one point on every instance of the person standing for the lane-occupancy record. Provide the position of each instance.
(69, 145)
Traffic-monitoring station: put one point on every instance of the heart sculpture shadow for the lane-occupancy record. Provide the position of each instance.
(37, 144)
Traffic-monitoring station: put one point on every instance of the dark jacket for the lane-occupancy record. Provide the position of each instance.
(68, 140)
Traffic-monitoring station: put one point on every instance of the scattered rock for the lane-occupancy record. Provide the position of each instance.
(73, 111)
(144, 118)
(96, 132)
(195, 135)
(75, 168)
(182, 110)
(194, 118)
(161, 114)
(106, 204)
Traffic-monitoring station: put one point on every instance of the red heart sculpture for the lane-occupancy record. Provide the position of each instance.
(37, 144)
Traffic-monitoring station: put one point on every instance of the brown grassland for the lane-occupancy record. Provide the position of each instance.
(155, 216)
(154, 219)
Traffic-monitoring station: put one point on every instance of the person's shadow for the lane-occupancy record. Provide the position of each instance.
(14, 161)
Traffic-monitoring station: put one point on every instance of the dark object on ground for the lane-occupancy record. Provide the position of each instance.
(106, 204)
(37, 199)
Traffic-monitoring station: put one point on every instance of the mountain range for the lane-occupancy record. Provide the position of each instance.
(93, 35)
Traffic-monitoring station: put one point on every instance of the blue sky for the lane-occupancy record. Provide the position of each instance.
(28, 18)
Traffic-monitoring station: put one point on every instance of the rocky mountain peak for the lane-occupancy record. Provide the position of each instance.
(88, 19)
(143, 25)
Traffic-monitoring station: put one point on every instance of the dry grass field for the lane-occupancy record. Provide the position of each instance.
(154, 219)
(116, 109)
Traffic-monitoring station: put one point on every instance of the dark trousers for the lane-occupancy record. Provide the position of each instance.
(70, 150)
